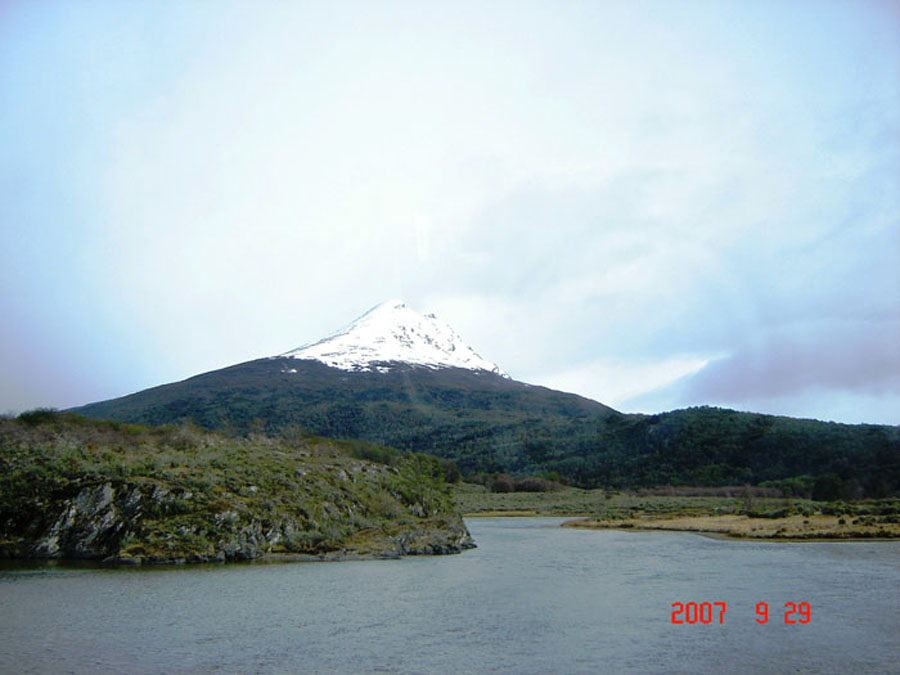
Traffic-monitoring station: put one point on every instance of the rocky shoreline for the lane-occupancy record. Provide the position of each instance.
(78, 489)
(107, 523)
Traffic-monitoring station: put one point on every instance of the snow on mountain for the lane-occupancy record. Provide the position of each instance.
(392, 332)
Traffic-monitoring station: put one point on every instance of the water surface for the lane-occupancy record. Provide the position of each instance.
(533, 598)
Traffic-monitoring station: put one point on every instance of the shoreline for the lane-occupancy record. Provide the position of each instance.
(746, 528)
(509, 513)
(337, 555)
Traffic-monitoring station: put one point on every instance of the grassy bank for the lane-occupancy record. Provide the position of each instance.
(476, 500)
(795, 527)
(733, 512)
(75, 487)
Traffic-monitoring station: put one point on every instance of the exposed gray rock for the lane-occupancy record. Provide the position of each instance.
(100, 520)
(74, 489)
(89, 524)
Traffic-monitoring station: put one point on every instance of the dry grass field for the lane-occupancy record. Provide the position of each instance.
(731, 512)
(796, 527)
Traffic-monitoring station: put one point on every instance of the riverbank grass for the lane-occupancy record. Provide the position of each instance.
(796, 527)
(732, 512)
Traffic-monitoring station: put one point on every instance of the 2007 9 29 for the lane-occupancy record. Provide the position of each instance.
(714, 612)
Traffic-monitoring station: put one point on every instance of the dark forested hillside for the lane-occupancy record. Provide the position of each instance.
(488, 424)
(713, 446)
(480, 419)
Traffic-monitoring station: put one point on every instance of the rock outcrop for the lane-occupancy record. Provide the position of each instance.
(215, 500)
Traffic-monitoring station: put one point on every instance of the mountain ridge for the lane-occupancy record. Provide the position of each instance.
(487, 422)
(409, 407)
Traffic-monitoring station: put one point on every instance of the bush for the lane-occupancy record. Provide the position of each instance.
(420, 481)
(833, 508)
(532, 484)
(502, 483)
(373, 453)
(38, 416)
(796, 486)
(777, 513)
(451, 471)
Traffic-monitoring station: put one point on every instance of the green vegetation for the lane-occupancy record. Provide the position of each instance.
(76, 487)
(744, 512)
(716, 447)
(478, 500)
(502, 482)
(486, 424)
(474, 499)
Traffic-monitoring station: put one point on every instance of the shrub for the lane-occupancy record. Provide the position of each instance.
(502, 483)
(38, 416)
(451, 470)
(533, 484)
(420, 481)
(778, 513)
(833, 508)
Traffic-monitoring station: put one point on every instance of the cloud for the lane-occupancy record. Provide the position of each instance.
(843, 372)
(616, 382)
(585, 276)
(627, 190)
(852, 358)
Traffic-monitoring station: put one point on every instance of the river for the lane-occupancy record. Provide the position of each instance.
(532, 598)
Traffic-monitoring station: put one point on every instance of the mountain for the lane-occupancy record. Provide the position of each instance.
(400, 379)
(392, 333)
(392, 377)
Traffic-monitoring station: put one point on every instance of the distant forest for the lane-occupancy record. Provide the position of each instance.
(698, 446)
(713, 446)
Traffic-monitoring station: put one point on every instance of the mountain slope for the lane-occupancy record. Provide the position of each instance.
(715, 446)
(487, 423)
(392, 377)
(396, 378)
(478, 418)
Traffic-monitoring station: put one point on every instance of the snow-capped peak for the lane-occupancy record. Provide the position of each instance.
(392, 332)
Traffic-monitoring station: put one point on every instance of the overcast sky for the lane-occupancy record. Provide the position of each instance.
(654, 204)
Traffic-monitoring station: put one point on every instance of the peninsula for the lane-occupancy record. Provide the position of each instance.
(71, 487)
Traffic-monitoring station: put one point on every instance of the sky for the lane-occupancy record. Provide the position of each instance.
(656, 204)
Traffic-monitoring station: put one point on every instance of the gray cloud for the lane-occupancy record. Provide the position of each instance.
(859, 357)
